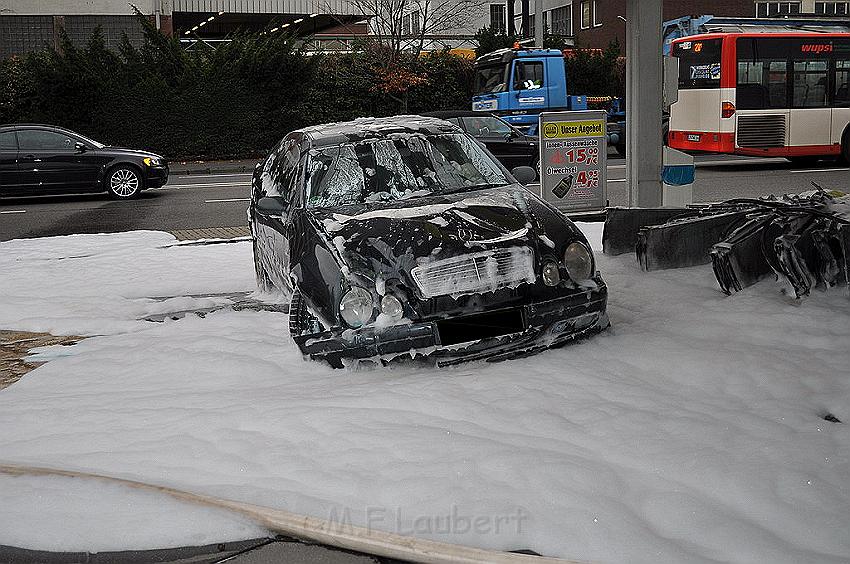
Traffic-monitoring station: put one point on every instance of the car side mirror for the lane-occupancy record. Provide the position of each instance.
(80, 147)
(524, 174)
(271, 205)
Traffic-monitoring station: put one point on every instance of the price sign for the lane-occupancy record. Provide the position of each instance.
(573, 147)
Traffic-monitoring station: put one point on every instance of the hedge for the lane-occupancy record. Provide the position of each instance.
(233, 101)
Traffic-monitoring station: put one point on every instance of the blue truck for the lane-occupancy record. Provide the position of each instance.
(510, 83)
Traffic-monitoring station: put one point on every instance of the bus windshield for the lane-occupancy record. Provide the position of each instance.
(491, 79)
(699, 63)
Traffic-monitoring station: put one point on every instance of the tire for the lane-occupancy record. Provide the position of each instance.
(301, 321)
(264, 282)
(124, 182)
(845, 146)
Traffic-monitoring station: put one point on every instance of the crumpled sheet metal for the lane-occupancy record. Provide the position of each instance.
(803, 239)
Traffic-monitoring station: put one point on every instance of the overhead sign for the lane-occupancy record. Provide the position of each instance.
(573, 147)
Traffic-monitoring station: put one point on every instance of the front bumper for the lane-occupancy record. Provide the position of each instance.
(156, 176)
(547, 324)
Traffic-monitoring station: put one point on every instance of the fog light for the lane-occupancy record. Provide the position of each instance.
(551, 274)
(391, 307)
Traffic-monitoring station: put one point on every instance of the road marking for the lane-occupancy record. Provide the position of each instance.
(13, 211)
(212, 175)
(820, 170)
(207, 185)
(227, 200)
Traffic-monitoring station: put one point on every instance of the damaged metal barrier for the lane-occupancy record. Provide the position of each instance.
(803, 239)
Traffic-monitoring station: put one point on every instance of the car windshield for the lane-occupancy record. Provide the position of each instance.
(398, 167)
(490, 79)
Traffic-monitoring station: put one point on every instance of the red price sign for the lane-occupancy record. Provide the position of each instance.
(583, 155)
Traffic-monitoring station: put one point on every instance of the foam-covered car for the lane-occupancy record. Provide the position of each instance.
(404, 236)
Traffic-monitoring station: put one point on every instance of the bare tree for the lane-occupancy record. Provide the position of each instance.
(435, 17)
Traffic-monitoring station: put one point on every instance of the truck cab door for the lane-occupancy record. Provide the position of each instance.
(529, 85)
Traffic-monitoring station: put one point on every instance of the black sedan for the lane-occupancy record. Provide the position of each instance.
(42, 159)
(507, 143)
(402, 236)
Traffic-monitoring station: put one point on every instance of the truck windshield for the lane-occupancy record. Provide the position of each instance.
(491, 79)
(398, 167)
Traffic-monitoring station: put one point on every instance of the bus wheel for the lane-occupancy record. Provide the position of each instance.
(845, 146)
(803, 161)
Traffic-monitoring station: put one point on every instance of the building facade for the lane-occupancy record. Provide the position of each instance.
(27, 25)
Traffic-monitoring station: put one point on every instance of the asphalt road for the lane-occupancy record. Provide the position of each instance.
(219, 200)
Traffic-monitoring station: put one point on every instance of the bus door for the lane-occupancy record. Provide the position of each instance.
(811, 114)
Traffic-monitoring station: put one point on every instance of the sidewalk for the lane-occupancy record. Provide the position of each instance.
(212, 167)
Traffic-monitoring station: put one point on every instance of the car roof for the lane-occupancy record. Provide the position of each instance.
(8, 126)
(375, 128)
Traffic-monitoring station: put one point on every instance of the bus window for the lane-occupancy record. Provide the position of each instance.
(810, 84)
(528, 76)
(762, 84)
(699, 63)
(842, 83)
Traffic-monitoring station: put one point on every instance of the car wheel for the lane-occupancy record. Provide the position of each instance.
(301, 321)
(124, 182)
(264, 282)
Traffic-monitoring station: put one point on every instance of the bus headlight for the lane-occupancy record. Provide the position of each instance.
(355, 307)
(578, 262)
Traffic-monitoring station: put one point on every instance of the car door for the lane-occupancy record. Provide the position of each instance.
(508, 145)
(49, 162)
(9, 178)
(277, 179)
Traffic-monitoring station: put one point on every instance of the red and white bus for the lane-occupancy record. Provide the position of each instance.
(781, 94)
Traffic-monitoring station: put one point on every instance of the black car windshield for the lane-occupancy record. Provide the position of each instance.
(490, 79)
(398, 167)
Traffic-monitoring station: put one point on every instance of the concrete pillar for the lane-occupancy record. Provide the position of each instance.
(644, 77)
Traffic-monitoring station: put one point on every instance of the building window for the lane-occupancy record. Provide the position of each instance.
(405, 25)
(832, 8)
(769, 9)
(596, 20)
(498, 17)
(562, 20)
(586, 14)
(414, 23)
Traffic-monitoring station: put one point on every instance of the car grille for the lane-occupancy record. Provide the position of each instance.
(761, 130)
(486, 271)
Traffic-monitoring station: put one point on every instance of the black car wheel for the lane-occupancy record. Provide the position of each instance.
(301, 321)
(264, 282)
(124, 182)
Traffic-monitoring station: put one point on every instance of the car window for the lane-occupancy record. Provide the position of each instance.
(528, 75)
(403, 166)
(8, 141)
(485, 126)
(281, 169)
(43, 140)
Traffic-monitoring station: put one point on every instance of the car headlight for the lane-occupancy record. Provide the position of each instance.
(391, 307)
(152, 161)
(355, 307)
(578, 262)
(551, 274)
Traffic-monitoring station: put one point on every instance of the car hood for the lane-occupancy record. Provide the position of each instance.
(388, 240)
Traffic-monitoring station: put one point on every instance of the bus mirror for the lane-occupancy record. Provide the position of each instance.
(670, 90)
